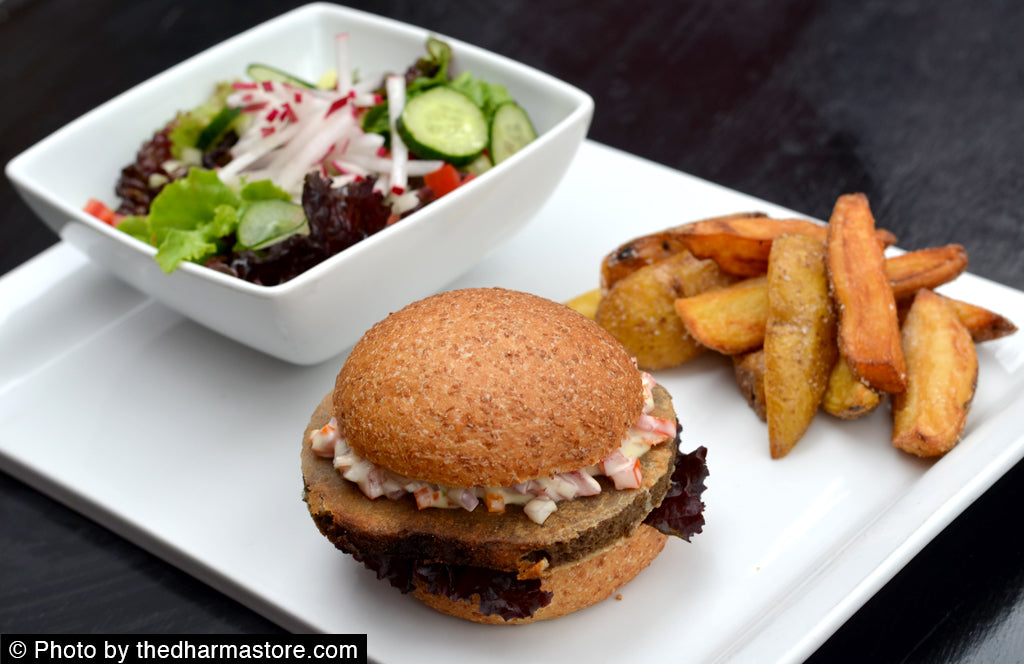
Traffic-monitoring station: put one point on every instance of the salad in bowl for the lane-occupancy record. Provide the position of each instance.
(274, 174)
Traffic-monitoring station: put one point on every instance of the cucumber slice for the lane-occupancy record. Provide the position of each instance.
(260, 73)
(443, 123)
(264, 223)
(511, 131)
(480, 165)
(220, 123)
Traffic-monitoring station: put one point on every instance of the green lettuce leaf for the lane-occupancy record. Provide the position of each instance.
(197, 244)
(488, 96)
(137, 227)
(189, 125)
(376, 121)
(263, 190)
(189, 203)
(181, 245)
(433, 67)
(193, 218)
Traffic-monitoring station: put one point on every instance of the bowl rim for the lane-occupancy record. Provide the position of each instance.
(17, 169)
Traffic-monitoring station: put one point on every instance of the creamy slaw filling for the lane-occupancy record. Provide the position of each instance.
(538, 497)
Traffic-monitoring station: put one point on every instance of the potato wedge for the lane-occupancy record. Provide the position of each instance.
(740, 243)
(639, 310)
(869, 334)
(586, 303)
(924, 268)
(799, 339)
(981, 323)
(749, 370)
(729, 320)
(638, 252)
(695, 275)
(846, 397)
(942, 374)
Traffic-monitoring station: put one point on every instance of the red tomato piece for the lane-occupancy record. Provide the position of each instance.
(444, 180)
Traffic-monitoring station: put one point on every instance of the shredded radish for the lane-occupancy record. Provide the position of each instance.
(342, 180)
(244, 155)
(403, 203)
(395, 87)
(348, 167)
(420, 167)
(294, 131)
(342, 64)
(316, 148)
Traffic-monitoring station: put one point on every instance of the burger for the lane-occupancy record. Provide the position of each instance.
(500, 457)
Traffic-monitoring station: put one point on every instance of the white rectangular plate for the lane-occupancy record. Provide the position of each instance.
(187, 444)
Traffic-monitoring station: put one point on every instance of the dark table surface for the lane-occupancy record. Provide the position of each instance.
(918, 104)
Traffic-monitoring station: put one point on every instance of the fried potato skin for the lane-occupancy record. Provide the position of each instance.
(740, 244)
(640, 312)
(924, 268)
(799, 340)
(729, 320)
(635, 254)
(981, 323)
(869, 335)
(846, 397)
(942, 375)
(749, 370)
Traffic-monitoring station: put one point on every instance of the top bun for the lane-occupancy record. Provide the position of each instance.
(486, 387)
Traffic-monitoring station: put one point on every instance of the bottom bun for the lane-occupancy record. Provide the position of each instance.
(574, 586)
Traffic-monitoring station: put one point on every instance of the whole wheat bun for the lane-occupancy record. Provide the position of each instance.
(486, 387)
(573, 587)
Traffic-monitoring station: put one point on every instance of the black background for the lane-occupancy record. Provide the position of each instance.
(918, 104)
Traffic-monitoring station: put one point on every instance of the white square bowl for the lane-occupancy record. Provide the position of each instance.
(323, 311)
